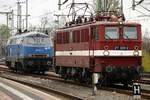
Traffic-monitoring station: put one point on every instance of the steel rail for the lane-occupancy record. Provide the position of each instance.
(144, 93)
(45, 89)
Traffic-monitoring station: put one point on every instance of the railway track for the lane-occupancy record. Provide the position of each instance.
(146, 74)
(2, 61)
(3, 68)
(45, 89)
(145, 93)
(144, 81)
(42, 88)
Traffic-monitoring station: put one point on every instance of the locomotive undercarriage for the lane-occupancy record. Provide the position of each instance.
(29, 65)
(122, 75)
(76, 74)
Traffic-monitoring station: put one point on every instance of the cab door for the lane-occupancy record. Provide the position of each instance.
(18, 48)
(94, 38)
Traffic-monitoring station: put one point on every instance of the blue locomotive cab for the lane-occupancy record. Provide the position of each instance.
(31, 52)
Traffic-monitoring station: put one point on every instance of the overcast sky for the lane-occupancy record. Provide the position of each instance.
(41, 8)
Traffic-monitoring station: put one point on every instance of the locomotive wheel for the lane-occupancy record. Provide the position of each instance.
(16, 67)
(125, 84)
(26, 69)
(57, 69)
(109, 82)
(20, 67)
(75, 77)
(106, 81)
(43, 72)
(88, 80)
(63, 73)
(88, 77)
(79, 76)
(8, 64)
(64, 76)
(12, 66)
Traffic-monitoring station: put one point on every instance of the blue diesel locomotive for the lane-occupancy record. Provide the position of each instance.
(29, 52)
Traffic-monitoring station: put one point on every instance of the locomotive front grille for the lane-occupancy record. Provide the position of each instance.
(39, 56)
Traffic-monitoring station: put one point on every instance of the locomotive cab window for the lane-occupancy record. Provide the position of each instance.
(111, 33)
(36, 41)
(130, 33)
(44, 41)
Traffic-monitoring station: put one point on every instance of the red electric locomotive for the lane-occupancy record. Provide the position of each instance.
(107, 48)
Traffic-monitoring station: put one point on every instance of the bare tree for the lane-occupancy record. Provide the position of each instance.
(108, 5)
(44, 22)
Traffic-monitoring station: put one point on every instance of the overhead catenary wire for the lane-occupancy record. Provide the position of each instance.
(145, 8)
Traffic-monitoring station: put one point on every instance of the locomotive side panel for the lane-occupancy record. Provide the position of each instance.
(71, 61)
(30, 52)
(73, 49)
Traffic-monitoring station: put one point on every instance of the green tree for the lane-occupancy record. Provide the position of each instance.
(4, 32)
(4, 35)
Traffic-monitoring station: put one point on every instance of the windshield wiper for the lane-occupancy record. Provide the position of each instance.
(108, 37)
(126, 36)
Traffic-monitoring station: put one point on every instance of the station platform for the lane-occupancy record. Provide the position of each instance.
(10, 90)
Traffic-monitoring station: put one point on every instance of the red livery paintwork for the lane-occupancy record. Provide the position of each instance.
(107, 48)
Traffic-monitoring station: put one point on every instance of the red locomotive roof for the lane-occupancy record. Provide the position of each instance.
(118, 23)
(83, 25)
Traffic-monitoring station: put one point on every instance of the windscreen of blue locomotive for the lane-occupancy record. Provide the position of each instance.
(38, 44)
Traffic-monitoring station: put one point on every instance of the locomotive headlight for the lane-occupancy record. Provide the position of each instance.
(136, 53)
(120, 22)
(46, 48)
